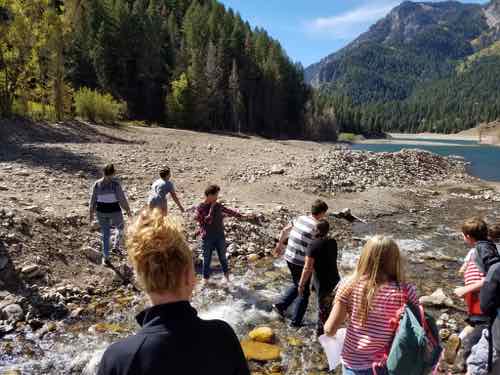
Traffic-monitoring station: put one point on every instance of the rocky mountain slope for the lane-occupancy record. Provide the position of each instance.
(415, 44)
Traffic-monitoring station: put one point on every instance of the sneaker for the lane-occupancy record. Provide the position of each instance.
(105, 262)
(295, 325)
(279, 310)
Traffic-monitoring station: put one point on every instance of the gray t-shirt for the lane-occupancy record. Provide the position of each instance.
(159, 191)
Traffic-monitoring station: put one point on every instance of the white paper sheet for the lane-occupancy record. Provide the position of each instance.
(333, 347)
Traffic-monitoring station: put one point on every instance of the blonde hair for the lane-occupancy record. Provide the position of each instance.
(158, 251)
(380, 262)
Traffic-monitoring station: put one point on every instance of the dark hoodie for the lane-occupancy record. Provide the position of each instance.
(490, 301)
(487, 255)
(174, 340)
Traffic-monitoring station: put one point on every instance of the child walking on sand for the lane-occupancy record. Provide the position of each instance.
(159, 191)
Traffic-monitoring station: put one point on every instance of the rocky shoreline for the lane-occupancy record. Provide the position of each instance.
(54, 294)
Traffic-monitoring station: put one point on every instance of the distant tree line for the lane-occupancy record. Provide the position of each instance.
(467, 97)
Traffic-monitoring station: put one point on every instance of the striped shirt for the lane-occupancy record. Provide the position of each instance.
(300, 238)
(364, 344)
(472, 273)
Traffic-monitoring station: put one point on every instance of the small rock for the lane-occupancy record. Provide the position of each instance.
(438, 298)
(276, 169)
(262, 334)
(253, 258)
(32, 271)
(444, 333)
(260, 351)
(13, 312)
(93, 255)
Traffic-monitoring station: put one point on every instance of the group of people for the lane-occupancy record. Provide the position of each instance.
(173, 339)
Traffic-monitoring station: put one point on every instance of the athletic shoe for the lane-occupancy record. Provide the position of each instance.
(280, 311)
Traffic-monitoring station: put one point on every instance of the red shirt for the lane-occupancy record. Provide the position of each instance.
(210, 218)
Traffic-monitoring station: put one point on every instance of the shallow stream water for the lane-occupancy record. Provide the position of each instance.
(428, 237)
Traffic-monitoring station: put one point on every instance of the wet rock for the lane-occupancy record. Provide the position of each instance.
(438, 298)
(262, 334)
(252, 258)
(260, 351)
(13, 313)
(451, 349)
(444, 333)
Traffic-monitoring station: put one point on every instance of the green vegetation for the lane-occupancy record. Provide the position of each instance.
(96, 107)
(347, 137)
(182, 63)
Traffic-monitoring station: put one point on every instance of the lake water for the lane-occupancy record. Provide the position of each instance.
(484, 160)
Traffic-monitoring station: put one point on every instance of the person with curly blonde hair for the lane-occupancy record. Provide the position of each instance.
(172, 338)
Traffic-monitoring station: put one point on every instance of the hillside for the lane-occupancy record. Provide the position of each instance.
(430, 61)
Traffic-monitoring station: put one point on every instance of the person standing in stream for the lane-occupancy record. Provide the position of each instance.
(321, 263)
(159, 191)
(107, 200)
(210, 216)
(300, 236)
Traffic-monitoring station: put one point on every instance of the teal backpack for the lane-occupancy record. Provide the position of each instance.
(416, 348)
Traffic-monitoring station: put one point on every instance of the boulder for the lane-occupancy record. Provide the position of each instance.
(262, 334)
(259, 351)
(13, 312)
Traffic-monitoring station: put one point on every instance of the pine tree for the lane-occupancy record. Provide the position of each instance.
(237, 106)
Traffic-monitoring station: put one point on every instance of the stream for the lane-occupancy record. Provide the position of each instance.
(428, 236)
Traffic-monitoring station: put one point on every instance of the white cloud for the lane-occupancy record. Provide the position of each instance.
(350, 24)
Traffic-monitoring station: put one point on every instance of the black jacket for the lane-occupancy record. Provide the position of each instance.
(173, 340)
(490, 300)
(487, 255)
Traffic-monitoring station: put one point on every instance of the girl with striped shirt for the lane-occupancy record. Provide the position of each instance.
(370, 298)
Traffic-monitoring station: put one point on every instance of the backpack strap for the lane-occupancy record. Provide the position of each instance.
(490, 346)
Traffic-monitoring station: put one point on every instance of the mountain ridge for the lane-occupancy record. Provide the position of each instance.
(447, 31)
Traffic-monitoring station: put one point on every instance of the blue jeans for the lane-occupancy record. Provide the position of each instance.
(108, 220)
(292, 294)
(368, 371)
(208, 245)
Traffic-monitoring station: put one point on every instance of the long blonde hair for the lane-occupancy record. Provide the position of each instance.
(158, 251)
(380, 262)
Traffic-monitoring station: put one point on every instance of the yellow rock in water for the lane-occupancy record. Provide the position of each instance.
(262, 334)
(260, 351)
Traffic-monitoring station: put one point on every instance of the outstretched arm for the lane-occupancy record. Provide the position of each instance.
(176, 200)
(462, 291)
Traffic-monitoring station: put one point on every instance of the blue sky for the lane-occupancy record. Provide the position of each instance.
(312, 29)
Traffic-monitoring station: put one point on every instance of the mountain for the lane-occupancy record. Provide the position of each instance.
(417, 43)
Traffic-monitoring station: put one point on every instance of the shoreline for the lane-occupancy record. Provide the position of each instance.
(434, 136)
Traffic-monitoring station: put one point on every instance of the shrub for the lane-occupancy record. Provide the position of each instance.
(347, 137)
(96, 107)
